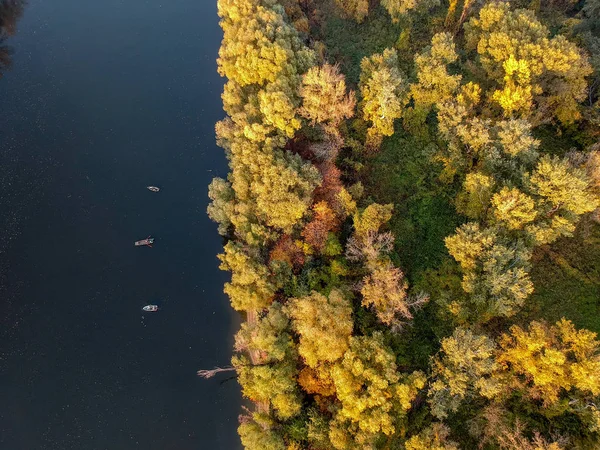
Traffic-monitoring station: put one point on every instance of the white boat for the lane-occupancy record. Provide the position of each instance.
(153, 188)
(150, 308)
(148, 242)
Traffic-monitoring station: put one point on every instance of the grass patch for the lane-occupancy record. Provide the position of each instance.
(403, 173)
(348, 42)
(566, 276)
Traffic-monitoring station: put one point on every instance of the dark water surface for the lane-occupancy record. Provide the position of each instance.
(103, 99)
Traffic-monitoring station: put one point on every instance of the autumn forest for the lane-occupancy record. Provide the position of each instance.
(411, 222)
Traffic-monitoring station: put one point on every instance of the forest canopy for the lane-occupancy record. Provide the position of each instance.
(411, 222)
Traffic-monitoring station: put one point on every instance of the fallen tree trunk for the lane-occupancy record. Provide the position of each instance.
(212, 372)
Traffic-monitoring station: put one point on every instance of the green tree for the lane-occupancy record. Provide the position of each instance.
(255, 436)
(399, 9)
(268, 336)
(270, 383)
(222, 205)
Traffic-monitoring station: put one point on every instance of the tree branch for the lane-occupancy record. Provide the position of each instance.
(211, 373)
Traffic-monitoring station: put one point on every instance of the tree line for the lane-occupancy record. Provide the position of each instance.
(313, 258)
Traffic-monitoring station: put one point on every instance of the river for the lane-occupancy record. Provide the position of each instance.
(103, 99)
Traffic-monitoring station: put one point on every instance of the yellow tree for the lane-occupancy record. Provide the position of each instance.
(222, 205)
(374, 397)
(544, 362)
(282, 188)
(475, 197)
(515, 138)
(324, 97)
(434, 437)
(250, 287)
(273, 384)
(537, 77)
(563, 187)
(434, 83)
(562, 193)
(383, 88)
(513, 208)
(464, 368)
(399, 8)
(321, 338)
(371, 218)
(384, 289)
(263, 58)
(468, 244)
(494, 271)
(258, 45)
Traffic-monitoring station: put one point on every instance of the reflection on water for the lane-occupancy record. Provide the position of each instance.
(10, 13)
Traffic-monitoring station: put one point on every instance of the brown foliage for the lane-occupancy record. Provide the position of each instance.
(328, 148)
(316, 381)
(385, 291)
(301, 146)
(286, 250)
(316, 231)
(370, 248)
(330, 187)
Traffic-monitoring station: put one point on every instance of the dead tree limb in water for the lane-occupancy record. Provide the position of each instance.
(211, 373)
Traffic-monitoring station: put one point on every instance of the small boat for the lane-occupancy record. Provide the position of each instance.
(150, 308)
(148, 242)
(153, 188)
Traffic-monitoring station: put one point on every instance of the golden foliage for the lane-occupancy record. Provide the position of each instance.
(324, 97)
(530, 68)
(383, 88)
(542, 362)
(513, 208)
(434, 437)
(250, 286)
(321, 339)
(464, 368)
(373, 396)
(434, 83)
(385, 290)
(356, 9)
